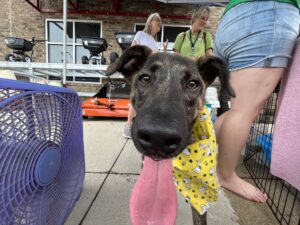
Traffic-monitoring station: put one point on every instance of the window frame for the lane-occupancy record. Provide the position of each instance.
(159, 42)
(73, 44)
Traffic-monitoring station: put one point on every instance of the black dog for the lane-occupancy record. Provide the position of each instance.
(167, 92)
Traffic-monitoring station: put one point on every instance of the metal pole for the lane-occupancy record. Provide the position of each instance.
(64, 41)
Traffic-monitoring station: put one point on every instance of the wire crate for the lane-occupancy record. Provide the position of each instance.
(283, 198)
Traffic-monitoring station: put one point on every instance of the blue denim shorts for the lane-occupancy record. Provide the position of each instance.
(257, 34)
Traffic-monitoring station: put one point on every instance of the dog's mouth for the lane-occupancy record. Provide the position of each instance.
(158, 155)
(163, 156)
(157, 158)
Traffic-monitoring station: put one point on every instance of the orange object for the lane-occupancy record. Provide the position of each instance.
(105, 107)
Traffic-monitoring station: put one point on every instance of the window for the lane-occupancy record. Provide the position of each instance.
(169, 32)
(75, 31)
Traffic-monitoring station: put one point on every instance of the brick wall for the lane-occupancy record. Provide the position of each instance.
(19, 19)
(5, 26)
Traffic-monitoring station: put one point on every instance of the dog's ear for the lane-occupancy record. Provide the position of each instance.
(211, 67)
(130, 61)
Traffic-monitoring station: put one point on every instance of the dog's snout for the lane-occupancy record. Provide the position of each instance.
(157, 142)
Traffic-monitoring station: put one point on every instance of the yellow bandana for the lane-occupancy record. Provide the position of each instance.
(195, 168)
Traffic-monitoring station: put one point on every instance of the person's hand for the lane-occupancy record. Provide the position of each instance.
(195, 58)
(165, 45)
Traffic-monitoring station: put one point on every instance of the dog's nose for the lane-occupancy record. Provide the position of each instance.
(157, 142)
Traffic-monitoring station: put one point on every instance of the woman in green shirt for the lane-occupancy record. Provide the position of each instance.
(195, 42)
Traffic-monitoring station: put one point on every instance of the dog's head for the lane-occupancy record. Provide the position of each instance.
(167, 91)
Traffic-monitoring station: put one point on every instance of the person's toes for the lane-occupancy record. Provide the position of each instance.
(260, 196)
(264, 197)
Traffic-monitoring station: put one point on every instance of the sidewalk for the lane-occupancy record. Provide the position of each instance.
(112, 167)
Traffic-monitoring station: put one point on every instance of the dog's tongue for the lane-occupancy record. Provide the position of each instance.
(153, 199)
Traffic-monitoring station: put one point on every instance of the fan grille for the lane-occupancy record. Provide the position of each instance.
(6, 93)
(32, 123)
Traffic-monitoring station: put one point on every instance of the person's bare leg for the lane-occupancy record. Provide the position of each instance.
(218, 124)
(127, 128)
(131, 114)
(253, 86)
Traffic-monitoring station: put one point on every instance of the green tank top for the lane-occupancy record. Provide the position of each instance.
(233, 3)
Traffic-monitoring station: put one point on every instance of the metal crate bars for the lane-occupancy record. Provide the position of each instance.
(283, 198)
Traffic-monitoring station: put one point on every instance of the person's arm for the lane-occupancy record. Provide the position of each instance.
(209, 51)
(165, 45)
(209, 44)
(178, 43)
(176, 52)
(133, 43)
(136, 39)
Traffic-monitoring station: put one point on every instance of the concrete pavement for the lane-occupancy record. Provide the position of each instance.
(112, 167)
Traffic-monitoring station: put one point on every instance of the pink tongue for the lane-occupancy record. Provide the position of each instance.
(153, 199)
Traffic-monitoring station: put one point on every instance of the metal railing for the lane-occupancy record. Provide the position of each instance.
(74, 72)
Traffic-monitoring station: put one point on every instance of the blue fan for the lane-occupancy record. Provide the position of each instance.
(41, 153)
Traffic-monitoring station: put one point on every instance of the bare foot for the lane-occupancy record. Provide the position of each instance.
(244, 189)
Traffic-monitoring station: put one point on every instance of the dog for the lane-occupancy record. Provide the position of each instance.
(167, 93)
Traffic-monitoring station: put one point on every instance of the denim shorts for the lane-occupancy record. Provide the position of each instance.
(257, 34)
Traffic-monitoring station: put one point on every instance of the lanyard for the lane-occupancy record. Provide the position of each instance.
(193, 43)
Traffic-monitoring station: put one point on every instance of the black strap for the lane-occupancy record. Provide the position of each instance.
(193, 43)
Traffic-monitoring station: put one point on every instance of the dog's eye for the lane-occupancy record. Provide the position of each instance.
(145, 79)
(192, 84)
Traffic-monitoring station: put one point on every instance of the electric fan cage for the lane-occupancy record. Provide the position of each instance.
(41, 153)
